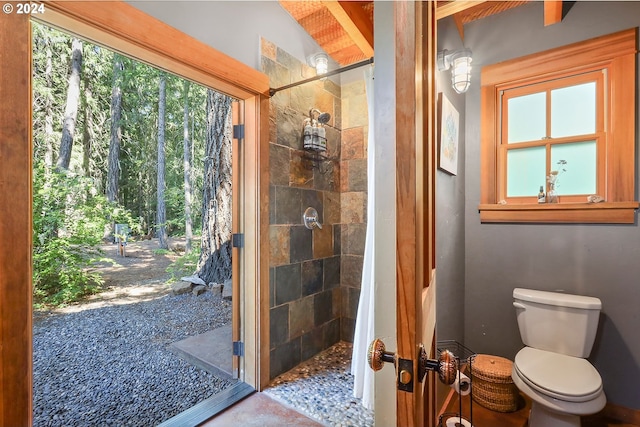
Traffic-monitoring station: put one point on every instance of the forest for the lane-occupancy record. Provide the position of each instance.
(116, 141)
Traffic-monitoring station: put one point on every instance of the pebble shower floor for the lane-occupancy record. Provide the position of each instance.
(322, 389)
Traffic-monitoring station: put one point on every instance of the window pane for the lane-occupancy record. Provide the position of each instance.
(527, 118)
(526, 170)
(579, 175)
(573, 110)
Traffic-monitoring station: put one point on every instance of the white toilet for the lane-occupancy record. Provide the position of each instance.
(558, 331)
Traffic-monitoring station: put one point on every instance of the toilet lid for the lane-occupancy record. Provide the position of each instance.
(557, 375)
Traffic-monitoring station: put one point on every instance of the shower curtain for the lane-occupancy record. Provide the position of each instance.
(363, 375)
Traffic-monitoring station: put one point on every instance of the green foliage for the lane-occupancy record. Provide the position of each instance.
(69, 219)
(185, 265)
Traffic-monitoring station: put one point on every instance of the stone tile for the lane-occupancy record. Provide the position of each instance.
(267, 49)
(355, 111)
(289, 128)
(331, 333)
(352, 144)
(289, 62)
(300, 322)
(288, 284)
(279, 160)
(300, 244)
(357, 175)
(300, 170)
(312, 275)
(279, 325)
(327, 176)
(334, 137)
(354, 88)
(279, 240)
(272, 287)
(336, 304)
(331, 272)
(312, 343)
(331, 205)
(314, 199)
(337, 239)
(288, 204)
(353, 239)
(323, 242)
(284, 357)
(272, 204)
(350, 306)
(303, 97)
(348, 327)
(352, 205)
(351, 271)
(323, 307)
(344, 176)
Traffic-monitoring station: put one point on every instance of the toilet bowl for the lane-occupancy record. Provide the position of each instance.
(558, 331)
(562, 388)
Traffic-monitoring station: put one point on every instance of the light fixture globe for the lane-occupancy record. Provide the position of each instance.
(459, 61)
(320, 61)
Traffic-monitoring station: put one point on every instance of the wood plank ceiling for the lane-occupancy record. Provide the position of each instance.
(344, 29)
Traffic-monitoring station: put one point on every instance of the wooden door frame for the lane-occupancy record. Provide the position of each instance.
(130, 31)
(415, 34)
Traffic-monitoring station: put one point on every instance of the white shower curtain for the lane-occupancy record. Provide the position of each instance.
(363, 375)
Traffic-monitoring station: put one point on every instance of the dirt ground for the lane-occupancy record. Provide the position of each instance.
(140, 275)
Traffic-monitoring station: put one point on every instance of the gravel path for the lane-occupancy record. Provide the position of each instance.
(111, 366)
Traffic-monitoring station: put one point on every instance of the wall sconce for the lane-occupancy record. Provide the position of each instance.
(460, 63)
(320, 61)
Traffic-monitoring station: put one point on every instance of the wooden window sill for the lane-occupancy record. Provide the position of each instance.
(581, 213)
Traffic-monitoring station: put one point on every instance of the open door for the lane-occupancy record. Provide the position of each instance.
(408, 153)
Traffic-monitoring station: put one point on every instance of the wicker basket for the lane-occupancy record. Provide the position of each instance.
(493, 387)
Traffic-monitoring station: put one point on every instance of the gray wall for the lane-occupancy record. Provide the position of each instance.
(596, 260)
(450, 211)
(235, 27)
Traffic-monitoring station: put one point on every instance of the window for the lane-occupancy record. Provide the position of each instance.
(569, 113)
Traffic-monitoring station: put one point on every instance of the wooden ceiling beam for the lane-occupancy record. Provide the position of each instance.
(552, 12)
(355, 22)
(453, 7)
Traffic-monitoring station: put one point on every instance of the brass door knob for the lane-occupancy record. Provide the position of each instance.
(377, 355)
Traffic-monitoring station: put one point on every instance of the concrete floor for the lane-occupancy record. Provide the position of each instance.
(260, 410)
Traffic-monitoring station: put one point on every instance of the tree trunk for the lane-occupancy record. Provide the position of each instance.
(87, 129)
(188, 225)
(71, 108)
(113, 172)
(215, 258)
(48, 126)
(161, 212)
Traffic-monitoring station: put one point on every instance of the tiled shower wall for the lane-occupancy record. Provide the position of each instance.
(312, 305)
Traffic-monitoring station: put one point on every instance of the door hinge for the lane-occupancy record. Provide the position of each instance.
(237, 240)
(405, 375)
(238, 131)
(238, 348)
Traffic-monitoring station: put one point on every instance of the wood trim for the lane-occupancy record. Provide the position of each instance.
(616, 53)
(112, 24)
(355, 22)
(15, 222)
(406, 122)
(597, 213)
(537, 65)
(263, 261)
(132, 32)
(453, 7)
(552, 12)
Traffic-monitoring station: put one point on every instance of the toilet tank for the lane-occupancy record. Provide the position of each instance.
(557, 322)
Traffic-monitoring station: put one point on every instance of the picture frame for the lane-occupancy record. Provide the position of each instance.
(448, 135)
